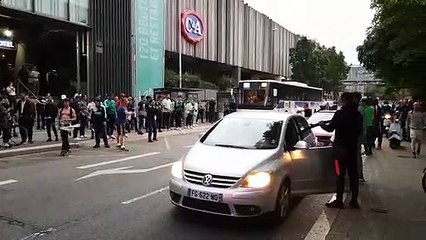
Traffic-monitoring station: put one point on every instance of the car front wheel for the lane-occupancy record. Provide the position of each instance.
(283, 202)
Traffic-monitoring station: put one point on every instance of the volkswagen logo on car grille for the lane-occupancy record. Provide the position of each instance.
(207, 180)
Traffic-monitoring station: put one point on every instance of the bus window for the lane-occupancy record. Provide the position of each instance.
(254, 97)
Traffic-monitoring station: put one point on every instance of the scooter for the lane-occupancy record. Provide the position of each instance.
(387, 121)
(395, 134)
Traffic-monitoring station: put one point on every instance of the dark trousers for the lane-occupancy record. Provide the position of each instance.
(159, 121)
(369, 140)
(166, 120)
(50, 125)
(41, 122)
(201, 115)
(5, 134)
(28, 124)
(189, 119)
(83, 124)
(379, 135)
(152, 128)
(65, 140)
(349, 165)
(211, 116)
(178, 119)
(100, 132)
(405, 132)
(110, 124)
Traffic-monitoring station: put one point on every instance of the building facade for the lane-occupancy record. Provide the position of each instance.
(360, 80)
(102, 46)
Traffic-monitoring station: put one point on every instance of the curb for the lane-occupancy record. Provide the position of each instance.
(32, 150)
(88, 143)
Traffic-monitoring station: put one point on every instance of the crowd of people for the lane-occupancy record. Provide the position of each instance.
(107, 117)
(360, 122)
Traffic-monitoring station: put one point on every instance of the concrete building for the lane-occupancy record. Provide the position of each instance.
(360, 80)
(102, 46)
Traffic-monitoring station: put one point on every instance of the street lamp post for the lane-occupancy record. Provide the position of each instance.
(180, 50)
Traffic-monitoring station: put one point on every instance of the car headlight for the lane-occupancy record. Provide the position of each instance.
(177, 169)
(387, 116)
(257, 180)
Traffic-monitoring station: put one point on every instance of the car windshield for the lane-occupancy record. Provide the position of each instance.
(245, 133)
(318, 117)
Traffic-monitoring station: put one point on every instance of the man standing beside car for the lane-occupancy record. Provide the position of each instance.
(347, 122)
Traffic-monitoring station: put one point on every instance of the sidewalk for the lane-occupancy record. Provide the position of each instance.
(40, 144)
(393, 204)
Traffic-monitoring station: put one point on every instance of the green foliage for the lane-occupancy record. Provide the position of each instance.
(317, 65)
(224, 82)
(188, 80)
(394, 47)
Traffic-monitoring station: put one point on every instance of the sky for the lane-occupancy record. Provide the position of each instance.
(339, 23)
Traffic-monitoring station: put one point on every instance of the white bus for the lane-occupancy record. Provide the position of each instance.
(287, 96)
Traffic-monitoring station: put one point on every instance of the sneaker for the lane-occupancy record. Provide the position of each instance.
(56, 140)
(124, 149)
(362, 180)
(156, 140)
(82, 136)
(96, 146)
(335, 204)
(77, 139)
(118, 146)
(112, 137)
(126, 135)
(414, 155)
(150, 141)
(107, 146)
(49, 140)
(6, 145)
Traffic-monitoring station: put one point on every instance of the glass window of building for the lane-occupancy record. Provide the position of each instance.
(19, 4)
(54, 8)
(79, 10)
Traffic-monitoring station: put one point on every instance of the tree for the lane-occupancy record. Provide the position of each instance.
(394, 48)
(317, 65)
(188, 80)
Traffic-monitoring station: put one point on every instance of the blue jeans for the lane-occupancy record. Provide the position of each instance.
(152, 128)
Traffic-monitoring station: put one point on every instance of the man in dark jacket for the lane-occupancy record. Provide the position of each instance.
(50, 114)
(26, 112)
(99, 119)
(4, 124)
(152, 111)
(347, 123)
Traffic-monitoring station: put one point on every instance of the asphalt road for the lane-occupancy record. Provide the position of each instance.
(92, 195)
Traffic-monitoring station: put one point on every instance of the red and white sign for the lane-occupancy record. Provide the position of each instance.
(193, 29)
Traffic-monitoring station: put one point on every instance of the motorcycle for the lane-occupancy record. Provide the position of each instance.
(387, 121)
(395, 134)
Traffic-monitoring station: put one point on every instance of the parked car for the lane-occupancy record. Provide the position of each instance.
(252, 163)
(323, 137)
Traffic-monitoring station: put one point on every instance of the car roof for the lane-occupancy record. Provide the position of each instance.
(261, 114)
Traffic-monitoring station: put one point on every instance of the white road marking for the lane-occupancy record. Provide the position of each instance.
(39, 234)
(8, 182)
(118, 160)
(322, 226)
(189, 146)
(145, 196)
(123, 170)
(167, 143)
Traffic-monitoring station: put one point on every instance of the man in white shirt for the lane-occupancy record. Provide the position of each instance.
(167, 110)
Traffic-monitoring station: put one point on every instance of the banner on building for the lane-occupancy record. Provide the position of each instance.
(149, 46)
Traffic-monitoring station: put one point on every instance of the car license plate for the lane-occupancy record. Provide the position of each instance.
(207, 196)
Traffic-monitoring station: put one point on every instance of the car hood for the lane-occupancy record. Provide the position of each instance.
(225, 161)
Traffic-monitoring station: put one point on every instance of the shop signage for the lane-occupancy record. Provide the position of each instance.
(6, 44)
(193, 29)
(150, 41)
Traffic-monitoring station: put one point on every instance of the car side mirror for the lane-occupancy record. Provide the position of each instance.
(301, 145)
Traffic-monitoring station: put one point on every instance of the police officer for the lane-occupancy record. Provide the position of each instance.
(151, 111)
(99, 119)
(347, 123)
